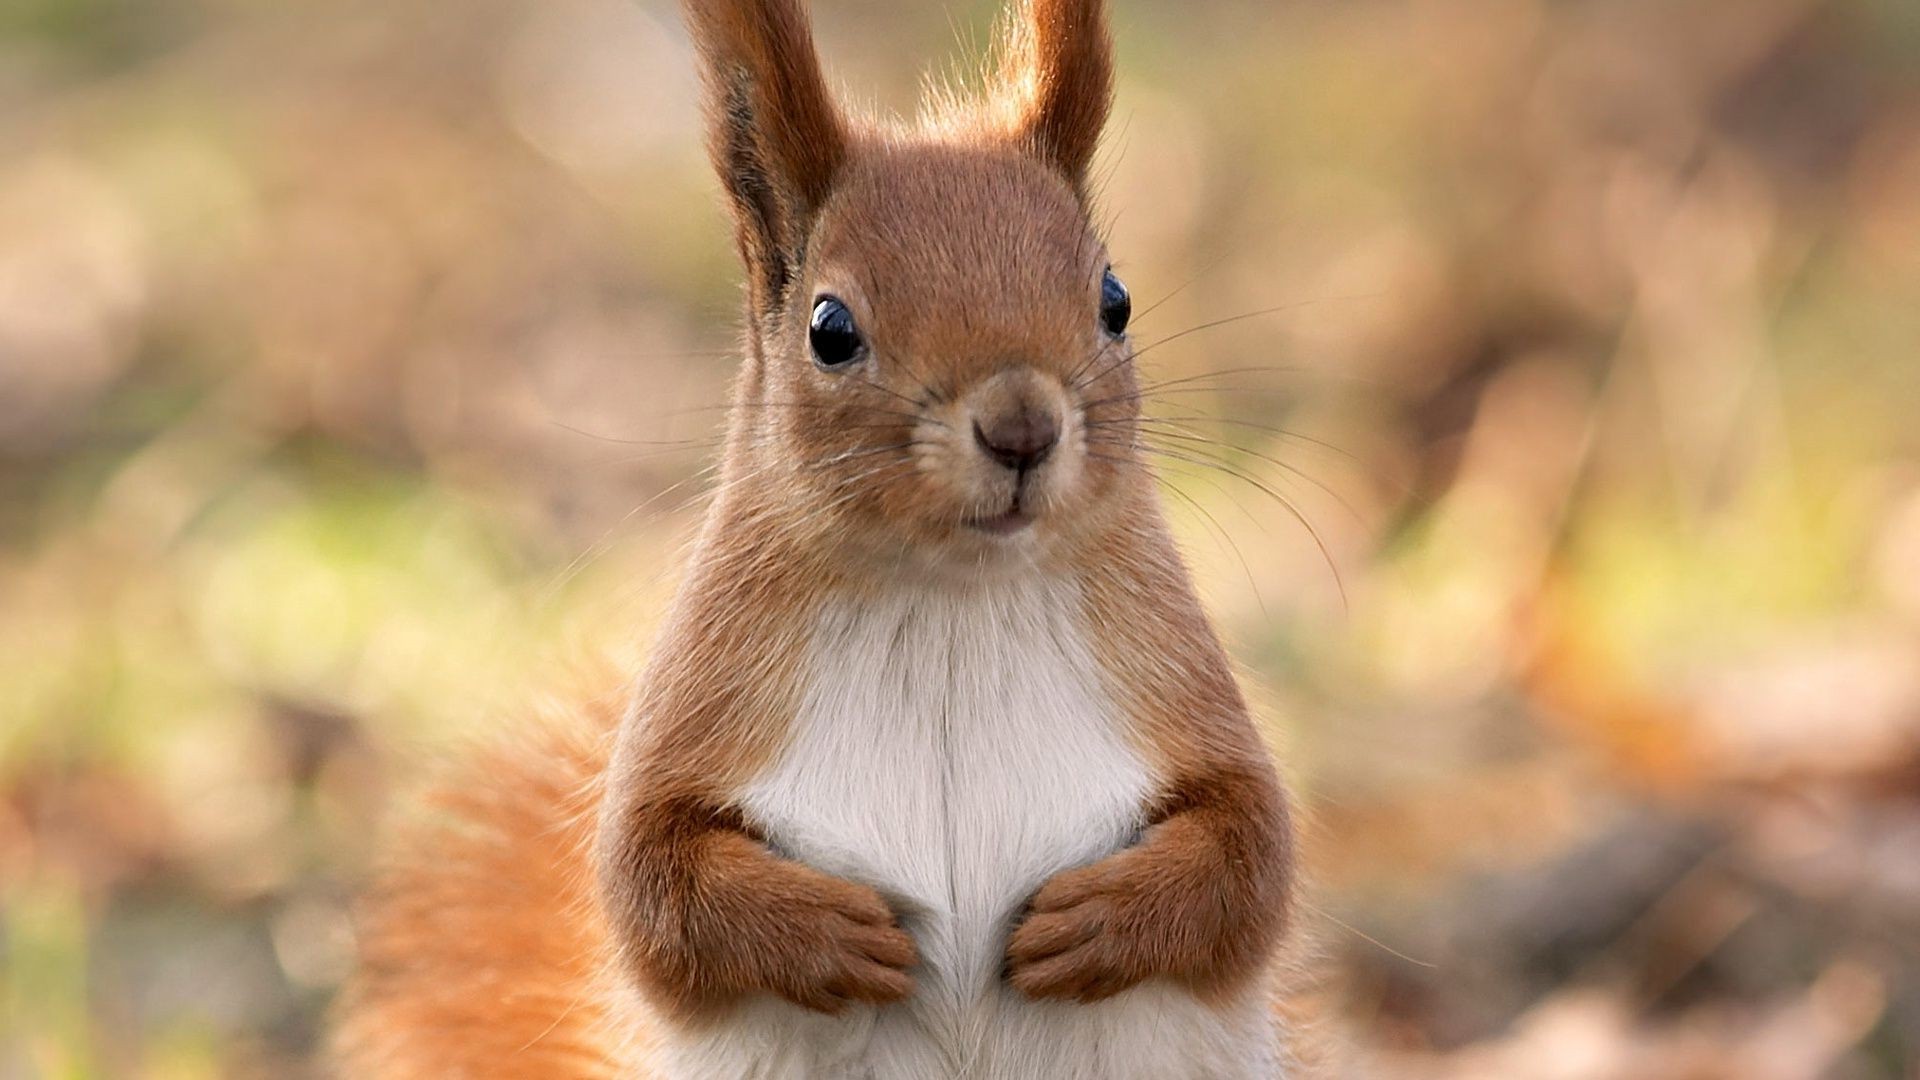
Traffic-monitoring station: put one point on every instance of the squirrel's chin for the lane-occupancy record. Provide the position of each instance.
(1009, 523)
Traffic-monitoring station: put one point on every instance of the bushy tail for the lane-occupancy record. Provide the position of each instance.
(481, 943)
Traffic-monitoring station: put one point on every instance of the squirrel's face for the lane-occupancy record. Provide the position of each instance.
(939, 358)
(951, 369)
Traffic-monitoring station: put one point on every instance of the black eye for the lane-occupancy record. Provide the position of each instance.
(1116, 307)
(835, 340)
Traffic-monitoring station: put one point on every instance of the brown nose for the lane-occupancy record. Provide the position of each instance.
(1020, 438)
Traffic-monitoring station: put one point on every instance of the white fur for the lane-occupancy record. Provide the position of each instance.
(954, 750)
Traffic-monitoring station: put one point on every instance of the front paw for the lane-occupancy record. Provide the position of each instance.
(1090, 933)
(824, 943)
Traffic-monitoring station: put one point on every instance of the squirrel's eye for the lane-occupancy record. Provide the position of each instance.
(1116, 306)
(835, 340)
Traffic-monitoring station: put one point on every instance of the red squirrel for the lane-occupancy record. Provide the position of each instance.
(938, 768)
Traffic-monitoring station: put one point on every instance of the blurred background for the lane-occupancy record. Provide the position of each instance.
(358, 362)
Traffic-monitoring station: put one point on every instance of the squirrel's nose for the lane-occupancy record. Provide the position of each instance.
(1020, 439)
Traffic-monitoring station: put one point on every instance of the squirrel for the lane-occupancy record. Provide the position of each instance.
(938, 768)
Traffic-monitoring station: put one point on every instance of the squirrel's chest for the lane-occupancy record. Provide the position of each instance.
(953, 752)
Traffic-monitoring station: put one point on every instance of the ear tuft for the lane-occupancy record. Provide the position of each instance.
(1056, 80)
(774, 132)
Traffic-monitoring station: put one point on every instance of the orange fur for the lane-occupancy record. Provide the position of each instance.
(517, 938)
(1056, 79)
(701, 912)
(775, 135)
(480, 940)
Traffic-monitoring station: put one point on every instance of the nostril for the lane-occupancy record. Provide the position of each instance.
(1020, 441)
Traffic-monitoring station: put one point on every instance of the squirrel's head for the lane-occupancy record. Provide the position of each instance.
(937, 357)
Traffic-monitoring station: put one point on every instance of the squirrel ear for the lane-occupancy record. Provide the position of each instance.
(774, 132)
(1056, 78)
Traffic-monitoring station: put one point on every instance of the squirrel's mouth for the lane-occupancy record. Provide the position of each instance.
(1015, 518)
(1002, 524)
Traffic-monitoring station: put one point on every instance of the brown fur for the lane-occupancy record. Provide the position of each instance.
(1056, 79)
(481, 941)
(701, 911)
(966, 252)
(774, 133)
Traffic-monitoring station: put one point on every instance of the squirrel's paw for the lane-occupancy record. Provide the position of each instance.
(828, 943)
(1089, 934)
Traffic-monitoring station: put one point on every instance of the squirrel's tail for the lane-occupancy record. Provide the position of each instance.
(481, 945)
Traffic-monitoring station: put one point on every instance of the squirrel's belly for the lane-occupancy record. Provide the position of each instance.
(955, 753)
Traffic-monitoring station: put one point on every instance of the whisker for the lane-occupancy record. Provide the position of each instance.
(890, 392)
(1277, 432)
(1182, 287)
(1151, 389)
(1217, 529)
(853, 490)
(1126, 356)
(1073, 380)
(1227, 538)
(1229, 320)
(579, 563)
(1363, 936)
(1137, 354)
(814, 405)
(861, 452)
(920, 381)
(1195, 439)
(831, 406)
(1293, 509)
(668, 443)
(651, 455)
(1213, 482)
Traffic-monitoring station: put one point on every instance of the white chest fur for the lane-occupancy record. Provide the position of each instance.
(954, 751)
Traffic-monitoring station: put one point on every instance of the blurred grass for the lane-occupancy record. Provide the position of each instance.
(357, 362)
